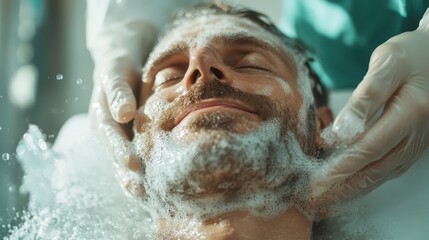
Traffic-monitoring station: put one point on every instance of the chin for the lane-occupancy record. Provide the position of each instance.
(223, 183)
(212, 169)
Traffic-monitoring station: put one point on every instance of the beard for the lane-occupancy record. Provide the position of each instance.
(220, 162)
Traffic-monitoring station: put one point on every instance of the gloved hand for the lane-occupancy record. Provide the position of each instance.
(120, 34)
(398, 80)
(118, 59)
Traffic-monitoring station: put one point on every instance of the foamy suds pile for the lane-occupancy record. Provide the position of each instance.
(74, 194)
(276, 160)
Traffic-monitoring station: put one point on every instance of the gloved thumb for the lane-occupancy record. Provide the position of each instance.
(381, 81)
(120, 96)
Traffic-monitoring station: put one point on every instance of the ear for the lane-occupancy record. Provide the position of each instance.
(324, 118)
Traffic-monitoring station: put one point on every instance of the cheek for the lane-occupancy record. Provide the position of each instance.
(286, 95)
(155, 105)
(269, 86)
(172, 92)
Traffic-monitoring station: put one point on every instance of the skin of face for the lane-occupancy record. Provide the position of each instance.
(234, 52)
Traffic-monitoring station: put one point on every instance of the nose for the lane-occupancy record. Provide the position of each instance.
(205, 65)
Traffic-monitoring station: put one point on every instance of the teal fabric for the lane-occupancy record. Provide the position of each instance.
(344, 33)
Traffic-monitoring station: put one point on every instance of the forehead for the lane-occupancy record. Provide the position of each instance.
(205, 29)
(209, 30)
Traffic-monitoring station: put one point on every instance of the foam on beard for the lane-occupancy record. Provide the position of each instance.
(263, 171)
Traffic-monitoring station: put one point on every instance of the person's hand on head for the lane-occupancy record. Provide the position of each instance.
(120, 35)
(112, 107)
(398, 80)
(118, 55)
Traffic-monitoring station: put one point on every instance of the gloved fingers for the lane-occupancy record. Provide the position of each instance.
(385, 75)
(116, 135)
(331, 202)
(376, 142)
(363, 181)
(118, 87)
(386, 150)
(373, 174)
(401, 169)
(395, 163)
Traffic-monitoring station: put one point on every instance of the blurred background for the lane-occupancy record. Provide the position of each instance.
(45, 77)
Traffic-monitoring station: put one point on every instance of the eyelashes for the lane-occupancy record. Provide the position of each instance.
(252, 67)
(169, 75)
(164, 81)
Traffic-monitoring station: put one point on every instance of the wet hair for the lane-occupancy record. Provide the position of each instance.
(319, 91)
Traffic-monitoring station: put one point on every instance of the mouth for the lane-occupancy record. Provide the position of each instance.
(214, 105)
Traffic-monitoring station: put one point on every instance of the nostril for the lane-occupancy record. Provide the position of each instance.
(218, 74)
(195, 75)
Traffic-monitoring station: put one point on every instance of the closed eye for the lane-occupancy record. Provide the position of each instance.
(162, 82)
(251, 67)
(253, 61)
(169, 76)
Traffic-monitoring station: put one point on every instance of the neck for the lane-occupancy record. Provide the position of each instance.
(238, 225)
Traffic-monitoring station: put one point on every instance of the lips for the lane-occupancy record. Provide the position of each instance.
(212, 103)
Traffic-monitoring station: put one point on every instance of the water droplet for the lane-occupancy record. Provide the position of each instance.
(1, 128)
(11, 188)
(59, 77)
(51, 136)
(79, 81)
(5, 156)
(76, 98)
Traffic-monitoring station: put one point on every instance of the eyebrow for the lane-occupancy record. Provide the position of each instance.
(237, 38)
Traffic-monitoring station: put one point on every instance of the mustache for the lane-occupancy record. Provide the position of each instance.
(210, 89)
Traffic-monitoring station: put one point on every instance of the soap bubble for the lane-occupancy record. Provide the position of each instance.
(5, 156)
(59, 77)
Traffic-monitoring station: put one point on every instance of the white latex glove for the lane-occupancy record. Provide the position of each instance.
(113, 102)
(120, 35)
(398, 79)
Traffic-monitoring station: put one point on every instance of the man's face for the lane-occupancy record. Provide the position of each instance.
(224, 122)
